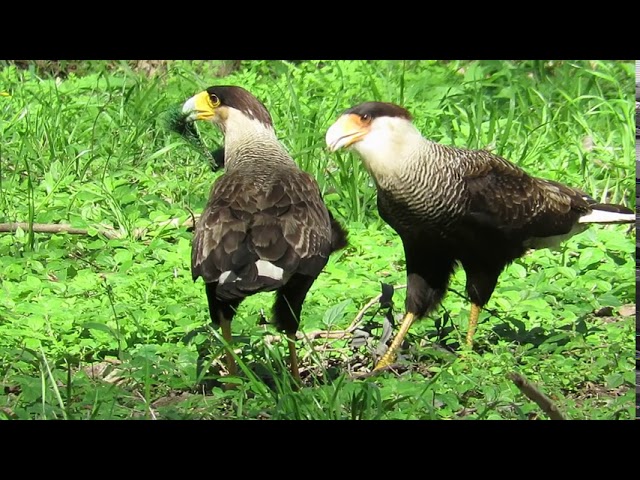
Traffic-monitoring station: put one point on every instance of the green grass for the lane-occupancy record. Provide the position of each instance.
(99, 328)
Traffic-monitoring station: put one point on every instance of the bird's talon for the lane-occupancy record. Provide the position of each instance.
(384, 362)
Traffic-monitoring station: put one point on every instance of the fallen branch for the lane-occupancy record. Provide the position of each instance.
(104, 230)
(530, 391)
(55, 228)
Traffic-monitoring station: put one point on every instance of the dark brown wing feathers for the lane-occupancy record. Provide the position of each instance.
(281, 220)
(503, 196)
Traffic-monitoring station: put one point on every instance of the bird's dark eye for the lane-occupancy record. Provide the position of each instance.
(365, 118)
(215, 101)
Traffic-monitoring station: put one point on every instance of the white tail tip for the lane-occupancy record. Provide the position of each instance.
(601, 216)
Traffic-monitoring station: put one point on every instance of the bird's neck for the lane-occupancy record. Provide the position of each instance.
(390, 155)
(411, 174)
(250, 141)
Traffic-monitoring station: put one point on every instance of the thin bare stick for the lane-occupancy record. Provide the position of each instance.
(335, 334)
(104, 230)
(144, 400)
(53, 228)
(530, 391)
(358, 318)
(340, 334)
(176, 223)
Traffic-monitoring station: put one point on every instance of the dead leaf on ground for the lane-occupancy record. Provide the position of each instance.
(628, 310)
(105, 371)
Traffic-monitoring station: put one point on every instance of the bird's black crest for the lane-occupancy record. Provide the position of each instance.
(240, 99)
(379, 109)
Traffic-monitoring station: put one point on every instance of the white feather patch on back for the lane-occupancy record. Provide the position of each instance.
(268, 269)
(265, 269)
(228, 276)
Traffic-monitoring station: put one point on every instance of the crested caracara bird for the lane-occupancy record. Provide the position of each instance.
(453, 205)
(265, 226)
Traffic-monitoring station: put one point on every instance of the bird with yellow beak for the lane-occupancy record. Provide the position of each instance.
(265, 226)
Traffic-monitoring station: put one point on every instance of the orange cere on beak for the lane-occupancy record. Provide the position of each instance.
(346, 131)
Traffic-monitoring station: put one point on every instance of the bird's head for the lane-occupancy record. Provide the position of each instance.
(223, 105)
(381, 133)
(369, 122)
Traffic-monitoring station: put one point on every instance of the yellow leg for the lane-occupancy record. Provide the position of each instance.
(390, 355)
(226, 334)
(293, 357)
(473, 323)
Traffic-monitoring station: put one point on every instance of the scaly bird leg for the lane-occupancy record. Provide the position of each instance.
(390, 355)
(226, 334)
(473, 323)
(293, 357)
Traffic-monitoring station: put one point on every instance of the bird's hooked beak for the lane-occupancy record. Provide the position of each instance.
(346, 131)
(199, 107)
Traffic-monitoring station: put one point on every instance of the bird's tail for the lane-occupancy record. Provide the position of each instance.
(261, 276)
(608, 213)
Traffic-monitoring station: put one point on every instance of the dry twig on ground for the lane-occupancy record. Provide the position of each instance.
(531, 392)
(104, 230)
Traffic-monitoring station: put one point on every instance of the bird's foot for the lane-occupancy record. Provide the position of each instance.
(386, 360)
